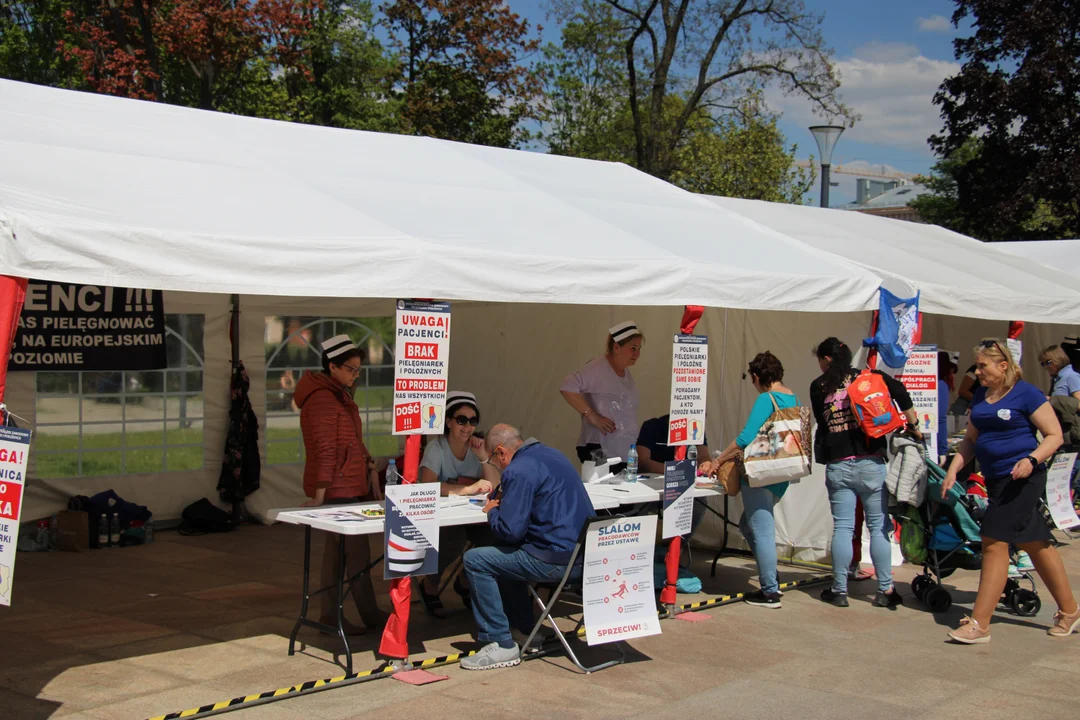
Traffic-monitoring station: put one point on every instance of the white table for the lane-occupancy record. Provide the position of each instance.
(334, 519)
(648, 489)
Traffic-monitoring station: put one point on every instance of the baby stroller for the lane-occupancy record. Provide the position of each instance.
(942, 535)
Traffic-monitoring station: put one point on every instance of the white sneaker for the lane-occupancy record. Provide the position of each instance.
(1014, 572)
(1023, 562)
(492, 656)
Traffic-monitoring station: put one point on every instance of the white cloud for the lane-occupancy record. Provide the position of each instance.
(935, 23)
(891, 85)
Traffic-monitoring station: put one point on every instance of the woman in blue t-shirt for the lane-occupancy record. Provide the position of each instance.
(767, 374)
(1006, 412)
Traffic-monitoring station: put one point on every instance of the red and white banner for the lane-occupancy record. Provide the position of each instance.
(920, 377)
(14, 451)
(689, 385)
(421, 367)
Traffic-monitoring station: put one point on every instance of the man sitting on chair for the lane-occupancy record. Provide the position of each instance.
(536, 515)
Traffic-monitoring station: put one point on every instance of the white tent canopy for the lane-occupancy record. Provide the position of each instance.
(1063, 255)
(957, 275)
(110, 191)
(315, 222)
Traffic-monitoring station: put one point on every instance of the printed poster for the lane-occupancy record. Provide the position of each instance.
(86, 327)
(689, 382)
(920, 377)
(411, 537)
(421, 367)
(678, 498)
(1058, 495)
(620, 603)
(14, 450)
(1016, 349)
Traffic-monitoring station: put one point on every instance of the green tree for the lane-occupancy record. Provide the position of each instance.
(464, 69)
(737, 151)
(1018, 93)
(710, 54)
(744, 156)
(30, 32)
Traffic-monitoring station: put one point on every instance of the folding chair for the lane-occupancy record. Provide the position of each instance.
(574, 587)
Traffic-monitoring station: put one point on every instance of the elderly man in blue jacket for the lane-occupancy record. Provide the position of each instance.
(536, 516)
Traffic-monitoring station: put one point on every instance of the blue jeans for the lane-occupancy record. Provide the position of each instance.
(759, 529)
(499, 578)
(846, 481)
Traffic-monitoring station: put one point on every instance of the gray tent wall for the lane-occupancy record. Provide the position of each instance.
(514, 356)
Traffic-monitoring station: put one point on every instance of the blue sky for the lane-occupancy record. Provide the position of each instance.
(891, 55)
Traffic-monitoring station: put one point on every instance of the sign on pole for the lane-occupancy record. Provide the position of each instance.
(678, 498)
(1058, 495)
(86, 327)
(689, 382)
(618, 580)
(14, 449)
(920, 377)
(421, 367)
(412, 530)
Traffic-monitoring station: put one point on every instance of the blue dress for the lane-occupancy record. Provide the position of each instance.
(1006, 436)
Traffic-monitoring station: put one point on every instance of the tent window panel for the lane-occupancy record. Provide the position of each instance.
(103, 423)
(293, 347)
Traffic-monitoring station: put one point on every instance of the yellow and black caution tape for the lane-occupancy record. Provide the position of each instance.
(387, 669)
(729, 599)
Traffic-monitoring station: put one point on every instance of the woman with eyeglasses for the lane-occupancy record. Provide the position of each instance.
(459, 462)
(1006, 414)
(1063, 379)
(339, 470)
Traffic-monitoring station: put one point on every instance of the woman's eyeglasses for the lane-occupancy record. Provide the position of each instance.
(466, 420)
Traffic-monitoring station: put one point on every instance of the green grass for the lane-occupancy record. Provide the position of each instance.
(107, 456)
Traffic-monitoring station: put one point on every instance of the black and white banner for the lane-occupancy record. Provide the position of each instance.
(87, 327)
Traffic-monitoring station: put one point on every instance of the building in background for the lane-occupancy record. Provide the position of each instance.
(887, 198)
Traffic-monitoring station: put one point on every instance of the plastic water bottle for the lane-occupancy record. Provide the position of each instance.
(103, 531)
(632, 465)
(392, 477)
(114, 530)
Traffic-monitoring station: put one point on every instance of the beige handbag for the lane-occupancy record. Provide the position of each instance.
(730, 475)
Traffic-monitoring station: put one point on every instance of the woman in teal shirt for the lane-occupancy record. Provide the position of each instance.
(759, 528)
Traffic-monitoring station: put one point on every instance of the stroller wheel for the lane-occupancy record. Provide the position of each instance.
(920, 584)
(938, 599)
(1025, 603)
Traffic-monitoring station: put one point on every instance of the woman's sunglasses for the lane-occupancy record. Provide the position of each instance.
(466, 420)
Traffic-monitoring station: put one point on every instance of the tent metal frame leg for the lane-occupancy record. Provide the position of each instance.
(342, 588)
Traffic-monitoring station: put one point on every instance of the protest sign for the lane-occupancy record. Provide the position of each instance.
(678, 498)
(421, 367)
(689, 383)
(14, 449)
(919, 376)
(1058, 495)
(412, 530)
(618, 580)
(64, 326)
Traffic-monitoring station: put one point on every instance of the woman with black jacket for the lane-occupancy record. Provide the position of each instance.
(855, 469)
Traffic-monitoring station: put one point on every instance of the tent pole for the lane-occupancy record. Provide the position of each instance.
(234, 339)
(691, 315)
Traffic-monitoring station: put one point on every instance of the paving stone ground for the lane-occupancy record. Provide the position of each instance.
(132, 633)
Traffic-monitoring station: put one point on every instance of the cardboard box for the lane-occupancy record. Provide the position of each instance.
(72, 531)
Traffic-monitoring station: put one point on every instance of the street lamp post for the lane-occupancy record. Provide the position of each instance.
(826, 137)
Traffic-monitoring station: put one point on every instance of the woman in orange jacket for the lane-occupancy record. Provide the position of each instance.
(338, 470)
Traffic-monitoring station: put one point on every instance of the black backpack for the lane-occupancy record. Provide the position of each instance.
(202, 517)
